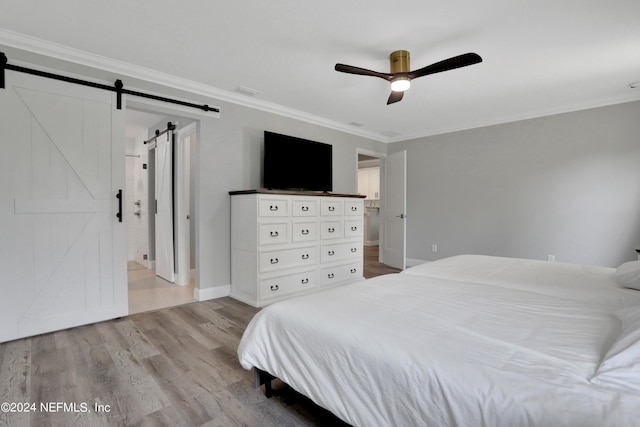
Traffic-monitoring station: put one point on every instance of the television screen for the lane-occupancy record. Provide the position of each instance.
(292, 163)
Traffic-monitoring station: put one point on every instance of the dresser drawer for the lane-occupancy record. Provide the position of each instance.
(279, 286)
(273, 207)
(305, 207)
(353, 228)
(340, 273)
(282, 241)
(354, 208)
(331, 208)
(287, 258)
(305, 231)
(339, 251)
(273, 233)
(331, 229)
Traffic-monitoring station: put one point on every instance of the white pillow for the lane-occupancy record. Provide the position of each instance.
(620, 367)
(628, 275)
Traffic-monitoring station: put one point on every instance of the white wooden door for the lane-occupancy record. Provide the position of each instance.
(186, 137)
(62, 249)
(164, 207)
(394, 208)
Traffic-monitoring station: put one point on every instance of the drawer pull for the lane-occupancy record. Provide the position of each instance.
(305, 281)
(305, 232)
(275, 287)
(354, 228)
(274, 234)
(332, 208)
(305, 256)
(331, 230)
(274, 260)
(353, 271)
(273, 208)
(354, 250)
(305, 209)
(331, 253)
(331, 275)
(354, 209)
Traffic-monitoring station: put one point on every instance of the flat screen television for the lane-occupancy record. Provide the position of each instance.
(292, 163)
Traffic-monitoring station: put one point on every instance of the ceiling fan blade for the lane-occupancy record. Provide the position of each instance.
(447, 64)
(395, 97)
(361, 71)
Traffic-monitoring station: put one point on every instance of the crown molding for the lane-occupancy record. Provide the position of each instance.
(64, 53)
(603, 102)
(48, 49)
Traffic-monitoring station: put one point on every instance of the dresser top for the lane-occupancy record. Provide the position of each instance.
(295, 193)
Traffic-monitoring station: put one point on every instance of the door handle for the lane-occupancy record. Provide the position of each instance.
(401, 216)
(119, 197)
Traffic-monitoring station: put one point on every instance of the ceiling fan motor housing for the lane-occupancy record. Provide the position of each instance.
(399, 61)
(400, 64)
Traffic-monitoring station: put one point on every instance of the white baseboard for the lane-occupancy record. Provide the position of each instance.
(372, 242)
(212, 293)
(413, 262)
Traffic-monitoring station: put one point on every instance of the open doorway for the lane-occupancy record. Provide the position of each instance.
(369, 185)
(158, 203)
(382, 179)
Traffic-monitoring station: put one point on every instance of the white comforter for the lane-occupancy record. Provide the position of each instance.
(429, 348)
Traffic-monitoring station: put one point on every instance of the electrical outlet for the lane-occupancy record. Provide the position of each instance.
(434, 248)
(551, 258)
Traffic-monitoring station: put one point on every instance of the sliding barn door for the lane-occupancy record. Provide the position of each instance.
(62, 249)
(164, 207)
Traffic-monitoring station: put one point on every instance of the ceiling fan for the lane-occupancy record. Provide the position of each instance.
(400, 76)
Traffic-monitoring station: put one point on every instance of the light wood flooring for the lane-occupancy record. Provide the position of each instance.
(150, 292)
(175, 366)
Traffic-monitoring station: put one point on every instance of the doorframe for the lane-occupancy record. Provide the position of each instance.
(381, 157)
(156, 107)
(183, 215)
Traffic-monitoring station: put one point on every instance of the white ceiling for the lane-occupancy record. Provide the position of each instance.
(540, 56)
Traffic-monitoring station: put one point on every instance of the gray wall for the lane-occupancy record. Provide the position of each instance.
(566, 185)
(230, 158)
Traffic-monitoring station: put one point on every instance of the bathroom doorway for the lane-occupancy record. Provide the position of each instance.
(158, 209)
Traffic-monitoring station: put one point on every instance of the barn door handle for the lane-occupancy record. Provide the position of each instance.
(119, 197)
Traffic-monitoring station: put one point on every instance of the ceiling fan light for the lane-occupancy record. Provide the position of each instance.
(400, 84)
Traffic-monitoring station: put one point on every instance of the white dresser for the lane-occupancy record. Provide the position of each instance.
(285, 244)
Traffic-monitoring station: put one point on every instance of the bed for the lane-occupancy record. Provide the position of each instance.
(464, 341)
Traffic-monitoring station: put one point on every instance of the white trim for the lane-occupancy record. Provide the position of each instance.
(182, 175)
(159, 107)
(614, 100)
(371, 153)
(64, 53)
(412, 262)
(211, 293)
